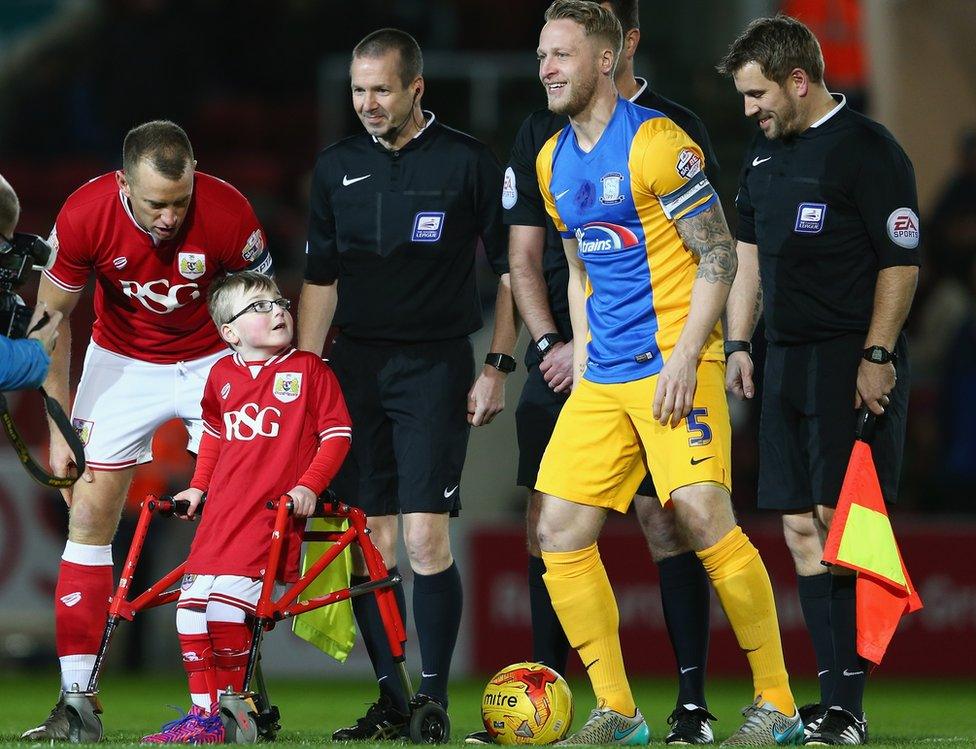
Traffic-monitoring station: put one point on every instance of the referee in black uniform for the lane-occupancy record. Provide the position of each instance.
(828, 220)
(540, 276)
(396, 215)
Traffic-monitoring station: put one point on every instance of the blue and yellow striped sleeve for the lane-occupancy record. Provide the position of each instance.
(543, 170)
(671, 166)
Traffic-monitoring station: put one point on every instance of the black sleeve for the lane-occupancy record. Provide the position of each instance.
(520, 197)
(321, 253)
(488, 186)
(746, 229)
(887, 200)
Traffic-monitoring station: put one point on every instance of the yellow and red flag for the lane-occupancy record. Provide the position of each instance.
(861, 538)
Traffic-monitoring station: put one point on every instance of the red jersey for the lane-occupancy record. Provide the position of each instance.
(270, 418)
(151, 299)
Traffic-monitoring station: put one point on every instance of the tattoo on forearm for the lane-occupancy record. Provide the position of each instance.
(707, 236)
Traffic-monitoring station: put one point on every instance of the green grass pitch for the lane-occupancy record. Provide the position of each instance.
(937, 713)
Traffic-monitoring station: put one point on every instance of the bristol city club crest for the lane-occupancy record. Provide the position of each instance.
(287, 386)
(611, 188)
(192, 264)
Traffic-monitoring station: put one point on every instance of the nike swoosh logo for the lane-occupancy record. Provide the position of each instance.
(825, 671)
(449, 492)
(591, 664)
(757, 161)
(690, 668)
(785, 737)
(427, 676)
(696, 461)
(618, 734)
(346, 181)
(559, 195)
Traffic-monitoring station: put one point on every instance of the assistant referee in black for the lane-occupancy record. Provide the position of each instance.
(828, 220)
(396, 216)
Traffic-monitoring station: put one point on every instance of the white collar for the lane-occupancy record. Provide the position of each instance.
(832, 112)
(131, 215)
(427, 124)
(643, 87)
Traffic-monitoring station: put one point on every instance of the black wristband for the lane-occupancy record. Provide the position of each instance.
(501, 362)
(732, 346)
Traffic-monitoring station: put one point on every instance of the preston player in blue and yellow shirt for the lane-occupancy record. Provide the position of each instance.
(651, 263)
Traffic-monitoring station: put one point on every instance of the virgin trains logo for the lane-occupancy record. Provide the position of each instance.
(600, 236)
(159, 297)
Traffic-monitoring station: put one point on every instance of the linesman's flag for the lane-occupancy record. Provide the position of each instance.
(861, 539)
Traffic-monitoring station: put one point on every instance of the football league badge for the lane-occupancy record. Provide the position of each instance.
(611, 188)
(287, 386)
(84, 429)
(192, 264)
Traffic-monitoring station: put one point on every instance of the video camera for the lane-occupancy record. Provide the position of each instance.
(16, 256)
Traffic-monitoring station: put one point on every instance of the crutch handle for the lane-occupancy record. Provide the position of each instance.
(169, 506)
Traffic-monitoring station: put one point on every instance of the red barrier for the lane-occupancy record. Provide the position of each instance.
(939, 640)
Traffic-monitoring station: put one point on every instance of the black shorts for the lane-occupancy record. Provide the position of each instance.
(535, 418)
(806, 432)
(408, 405)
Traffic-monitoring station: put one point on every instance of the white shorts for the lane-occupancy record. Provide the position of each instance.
(121, 402)
(217, 592)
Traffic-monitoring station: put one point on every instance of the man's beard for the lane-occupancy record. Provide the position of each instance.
(582, 93)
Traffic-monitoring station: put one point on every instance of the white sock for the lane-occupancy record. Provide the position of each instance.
(201, 701)
(76, 669)
(88, 555)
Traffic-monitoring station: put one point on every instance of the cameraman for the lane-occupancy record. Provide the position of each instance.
(23, 363)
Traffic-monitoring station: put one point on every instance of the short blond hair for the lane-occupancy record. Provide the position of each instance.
(222, 290)
(594, 18)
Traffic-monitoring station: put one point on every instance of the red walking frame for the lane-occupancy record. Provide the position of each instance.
(429, 722)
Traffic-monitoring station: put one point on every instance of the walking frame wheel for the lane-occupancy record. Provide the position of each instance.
(239, 716)
(429, 723)
(83, 708)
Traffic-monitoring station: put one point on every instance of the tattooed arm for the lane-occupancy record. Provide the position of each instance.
(707, 236)
(742, 313)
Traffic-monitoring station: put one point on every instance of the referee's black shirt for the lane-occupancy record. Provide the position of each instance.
(828, 209)
(523, 201)
(399, 230)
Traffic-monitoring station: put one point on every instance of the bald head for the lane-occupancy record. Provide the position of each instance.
(9, 208)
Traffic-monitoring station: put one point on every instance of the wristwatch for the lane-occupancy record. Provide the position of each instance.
(501, 362)
(546, 342)
(732, 346)
(879, 355)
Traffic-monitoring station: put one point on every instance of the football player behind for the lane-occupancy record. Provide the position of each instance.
(275, 422)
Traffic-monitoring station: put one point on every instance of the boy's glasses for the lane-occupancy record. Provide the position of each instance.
(263, 306)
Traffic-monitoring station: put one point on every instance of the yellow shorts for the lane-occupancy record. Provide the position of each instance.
(606, 439)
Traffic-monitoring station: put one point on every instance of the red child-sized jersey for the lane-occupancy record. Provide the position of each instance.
(270, 418)
(151, 299)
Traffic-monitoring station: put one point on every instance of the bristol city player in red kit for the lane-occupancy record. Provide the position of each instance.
(155, 234)
(274, 422)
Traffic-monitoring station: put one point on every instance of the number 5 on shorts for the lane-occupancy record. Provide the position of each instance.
(696, 426)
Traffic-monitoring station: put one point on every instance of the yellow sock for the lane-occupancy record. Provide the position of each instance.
(742, 584)
(583, 600)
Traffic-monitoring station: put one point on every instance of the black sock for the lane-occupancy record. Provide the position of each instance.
(851, 669)
(549, 643)
(437, 602)
(815, 601)
(685, 597)
(374, 637)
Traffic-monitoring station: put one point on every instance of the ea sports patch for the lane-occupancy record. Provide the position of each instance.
(84, 429)
(689, 163)
(192, 264)
(427, 226)
(509, 191)
(611, 188)
(903, 228)
(254, 246)
(287, 386)
(810, 218)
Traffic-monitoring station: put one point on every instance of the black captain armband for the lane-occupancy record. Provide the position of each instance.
(733, 346)
(501, 362)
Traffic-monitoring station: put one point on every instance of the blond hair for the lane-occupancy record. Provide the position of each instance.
(594, 18)
(222, 290)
